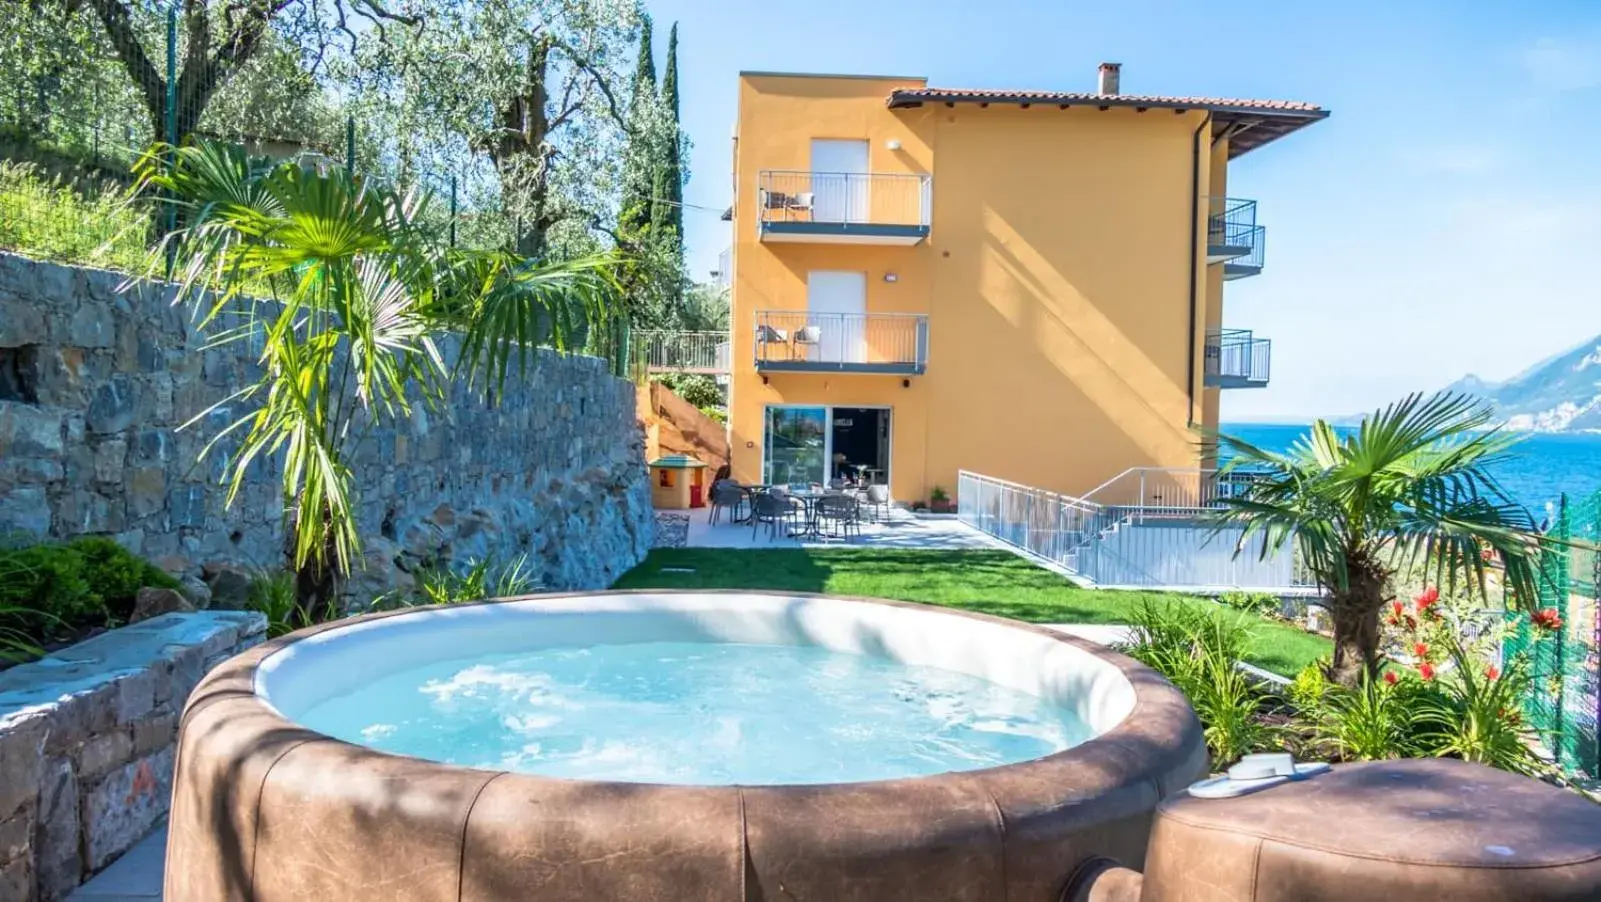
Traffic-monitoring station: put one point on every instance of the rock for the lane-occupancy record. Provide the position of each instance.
(153, 602)
(123, 808)
(113, 406)
(91, 327)
(229, 584)
(24, 509)
(27, 431)
(198, 593)
(147, 491)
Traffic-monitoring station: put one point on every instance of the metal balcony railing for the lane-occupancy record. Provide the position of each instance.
(890, 207)
(1233, 237)
(1235, 358)
(802, 341)
(683, 352)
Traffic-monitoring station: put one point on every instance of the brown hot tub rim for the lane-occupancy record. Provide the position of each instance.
(262, 806)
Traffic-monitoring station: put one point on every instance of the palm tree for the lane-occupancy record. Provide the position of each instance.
(347, 300)
(1412, 485)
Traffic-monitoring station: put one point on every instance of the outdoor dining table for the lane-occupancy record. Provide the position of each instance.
(808, 499)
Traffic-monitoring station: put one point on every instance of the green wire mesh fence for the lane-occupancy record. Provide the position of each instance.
(80, 104)
(1565, 703)
(76, 114)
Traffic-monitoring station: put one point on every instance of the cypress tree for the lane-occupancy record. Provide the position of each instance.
(639, 174)
(673, 165)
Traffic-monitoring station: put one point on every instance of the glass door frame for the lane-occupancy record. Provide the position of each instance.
(828, 436)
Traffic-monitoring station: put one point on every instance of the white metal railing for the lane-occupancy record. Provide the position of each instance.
(1047, 524)
(1154, 489)
(683, 352)
(1147, 526)
(862, 342)
(882, 198)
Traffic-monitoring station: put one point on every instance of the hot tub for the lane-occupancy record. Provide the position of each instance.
(914, 753)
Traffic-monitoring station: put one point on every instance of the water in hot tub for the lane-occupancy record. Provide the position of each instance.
(698, 713)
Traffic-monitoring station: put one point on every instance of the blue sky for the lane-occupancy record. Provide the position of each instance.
(1445, 219)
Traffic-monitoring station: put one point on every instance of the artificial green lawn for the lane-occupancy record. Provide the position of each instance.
(991, 582)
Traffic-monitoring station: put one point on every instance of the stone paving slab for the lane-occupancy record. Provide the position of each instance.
(135, 877)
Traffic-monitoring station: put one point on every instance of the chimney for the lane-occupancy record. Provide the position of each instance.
(1109, 78)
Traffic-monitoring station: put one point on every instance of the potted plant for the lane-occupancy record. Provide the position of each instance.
(939, 502)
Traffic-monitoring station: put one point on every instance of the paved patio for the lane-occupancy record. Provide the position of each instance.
(900, 529)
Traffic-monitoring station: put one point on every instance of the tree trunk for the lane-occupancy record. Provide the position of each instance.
(317, 580)
(1355, 612)
(521, 154)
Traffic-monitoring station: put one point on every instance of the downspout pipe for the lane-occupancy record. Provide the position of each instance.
(1195, 262)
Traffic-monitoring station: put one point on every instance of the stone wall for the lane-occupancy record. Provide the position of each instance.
(94, 383)
(87, 742)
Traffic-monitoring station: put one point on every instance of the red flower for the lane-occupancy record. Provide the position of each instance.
(1426, 671)
(1427, 597)
(1390, 677)
(1546, 619)
(1397, 607)
(1420, 650)
(1487, 555)
(1492, 672)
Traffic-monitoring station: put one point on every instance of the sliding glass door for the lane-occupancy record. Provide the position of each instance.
(805, 444)
(796, 447)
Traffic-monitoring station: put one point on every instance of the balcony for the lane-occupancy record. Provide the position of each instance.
(1233, 238)
(1237, 359)
(682, 352)
(797, 341)
(844, 207)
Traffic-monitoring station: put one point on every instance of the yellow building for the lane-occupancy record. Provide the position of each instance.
(1024, 284)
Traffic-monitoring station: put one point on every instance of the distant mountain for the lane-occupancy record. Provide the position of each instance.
(1559, 394)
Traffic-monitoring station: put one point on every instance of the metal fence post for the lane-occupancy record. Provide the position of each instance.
(172, 130)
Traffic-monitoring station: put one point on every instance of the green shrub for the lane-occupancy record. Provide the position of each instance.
(1376, 720)
(716, 413)
(1262, 604)
(48, 585)
(116, 574)
(1310, 687)
(272, 593)
(1199, 650)
(1473, 713)
(53, 589)
(475, 581)
(698, 389)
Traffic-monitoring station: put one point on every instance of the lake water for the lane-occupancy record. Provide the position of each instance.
(1540, 468)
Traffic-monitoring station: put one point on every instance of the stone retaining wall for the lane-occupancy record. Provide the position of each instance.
(87, 741)
(95, 383)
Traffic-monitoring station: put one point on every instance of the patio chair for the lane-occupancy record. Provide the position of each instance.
(806, 338)
(842, 511)
(726, 495)
(800, 202)
(877, 501)
(773, 509)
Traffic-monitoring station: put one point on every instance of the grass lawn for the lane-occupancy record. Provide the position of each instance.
(990, 582)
